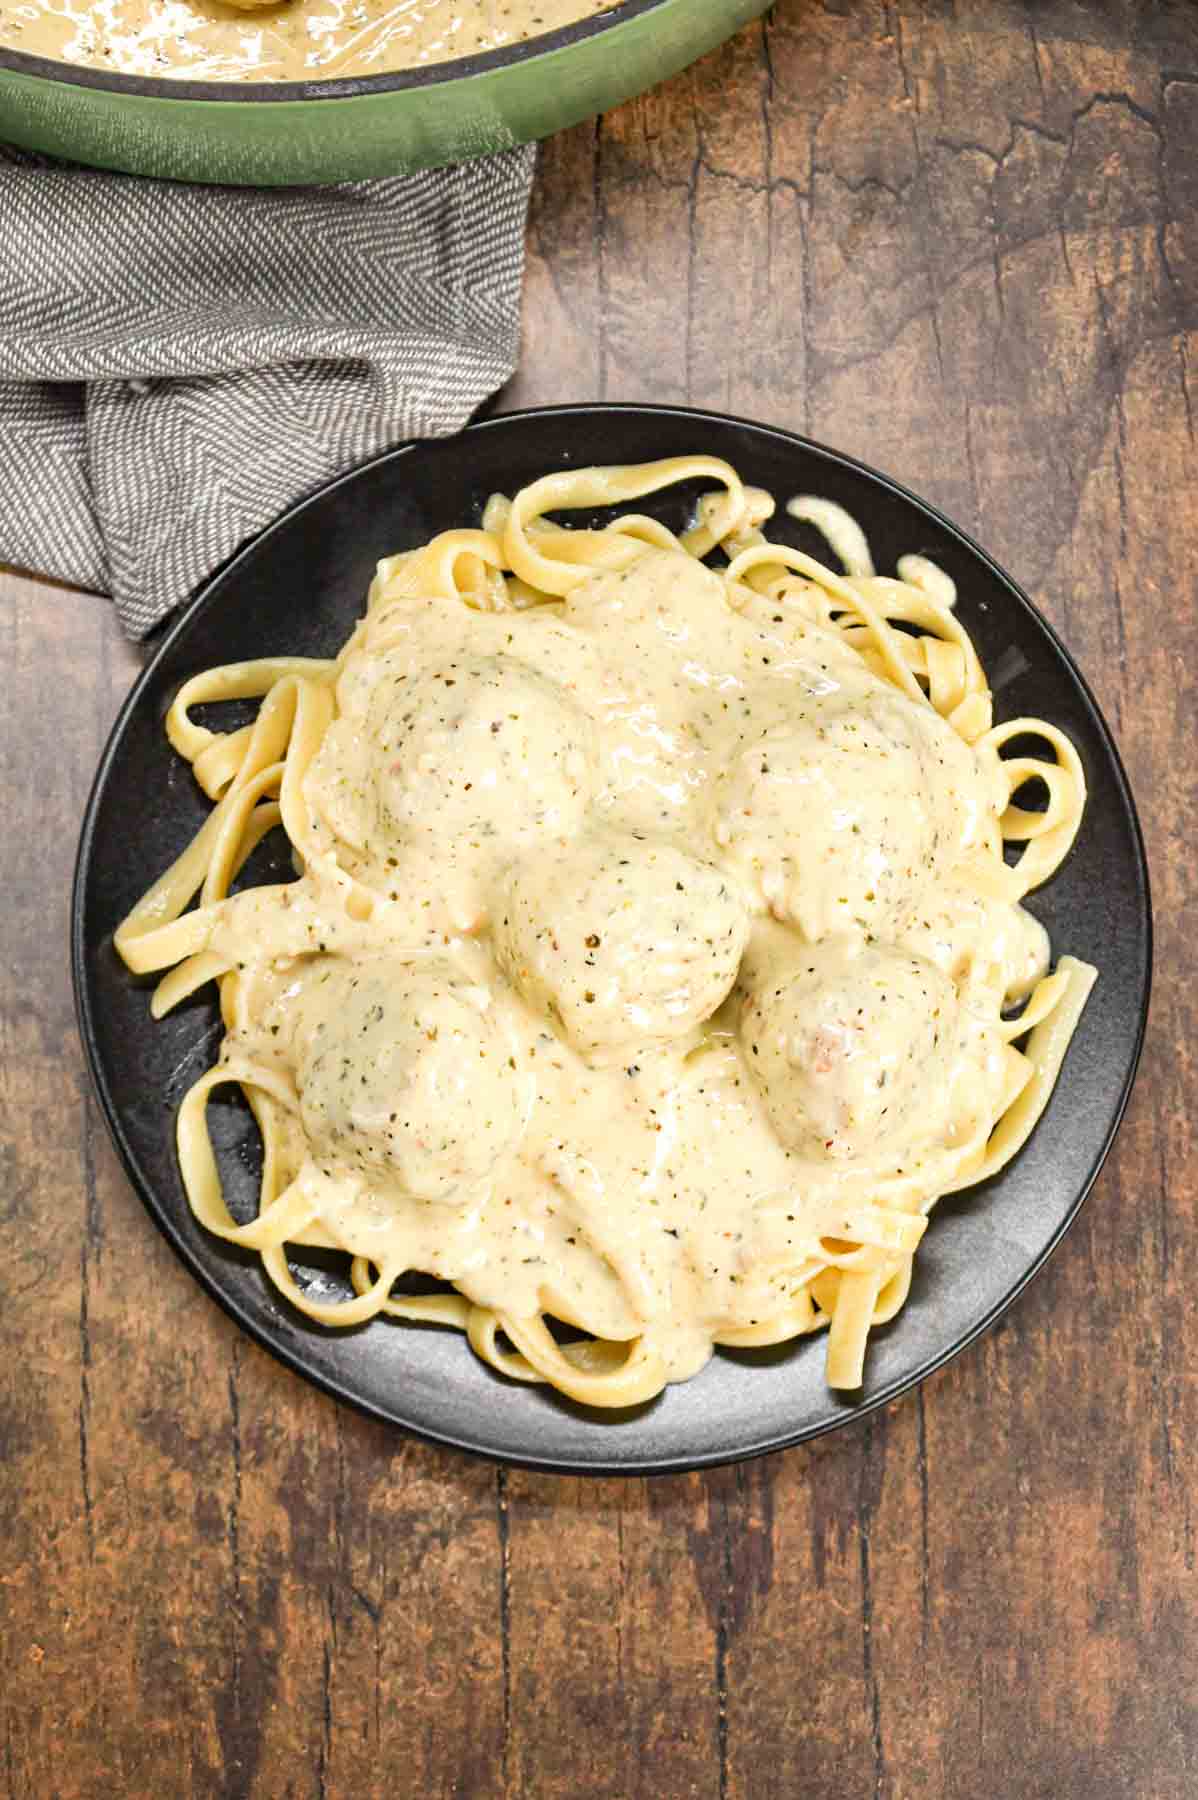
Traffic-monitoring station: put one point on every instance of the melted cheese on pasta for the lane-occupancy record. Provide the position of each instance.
(650, 962)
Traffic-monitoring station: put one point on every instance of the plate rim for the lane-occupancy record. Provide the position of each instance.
(637, 1466)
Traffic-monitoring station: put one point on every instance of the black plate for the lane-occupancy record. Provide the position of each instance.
(298, 590)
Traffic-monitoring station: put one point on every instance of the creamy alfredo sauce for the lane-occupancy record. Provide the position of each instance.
(669, 967)
(301, 39)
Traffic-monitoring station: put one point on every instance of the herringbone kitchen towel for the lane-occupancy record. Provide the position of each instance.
(178, 363)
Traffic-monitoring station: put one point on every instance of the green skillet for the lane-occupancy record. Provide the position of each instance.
(271, 133)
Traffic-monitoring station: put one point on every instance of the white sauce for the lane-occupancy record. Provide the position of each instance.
(204, 40)
(303, 39)
(668, 964)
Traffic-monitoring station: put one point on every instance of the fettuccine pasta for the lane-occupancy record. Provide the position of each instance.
(653, 963)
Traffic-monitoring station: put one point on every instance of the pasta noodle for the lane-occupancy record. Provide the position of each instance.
(652, 963)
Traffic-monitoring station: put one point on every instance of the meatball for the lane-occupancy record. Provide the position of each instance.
(404, 1075)
(624, 940)
(838, 820)
(473, 759)
(849, 1046)
(481, 748)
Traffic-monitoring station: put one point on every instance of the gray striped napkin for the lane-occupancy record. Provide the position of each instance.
(178, 363)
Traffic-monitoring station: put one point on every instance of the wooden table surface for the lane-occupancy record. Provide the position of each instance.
(958, 240)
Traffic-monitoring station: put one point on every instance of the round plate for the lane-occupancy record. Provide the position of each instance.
(298, 589)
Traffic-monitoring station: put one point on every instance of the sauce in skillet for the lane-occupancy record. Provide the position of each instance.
(296, 41)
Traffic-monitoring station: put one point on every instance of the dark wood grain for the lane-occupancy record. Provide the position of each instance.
(960, 241)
